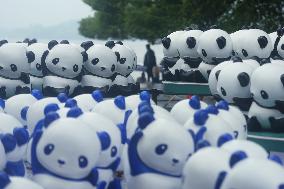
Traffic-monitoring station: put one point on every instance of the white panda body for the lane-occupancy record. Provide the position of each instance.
(92, 80)
(9, 86)
(60, 82)
(130, 80)
(205, 69)
(20, 182)
(36, 82)
(120, 80)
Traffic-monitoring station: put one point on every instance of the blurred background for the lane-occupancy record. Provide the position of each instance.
(136, 22)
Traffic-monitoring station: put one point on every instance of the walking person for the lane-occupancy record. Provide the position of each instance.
(149, 62)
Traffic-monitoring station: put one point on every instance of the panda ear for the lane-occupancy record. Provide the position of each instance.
(221, 42)
(202, 144)
(43, 64)
(97, 96)
(237, 157)
(2, 42)
(200, 117)
(119, 102)
(74, 112)
(64, 42)
(32, 41)
(145, 119)
(145, 96)
(110, 44)
(166, 42)
(104, 139)
(31, 56)
(237, 59)
(282, 79)
(191, 42)
(51, 44)
(224, 138)
(119, 42)
(217, 74)
(85, 56)
(213, 27)
(71, 103)
(4, 180)
(87, 44)
(37, 94)
(49, 118)
(117, 56)
(244, 79)
(262, 41)
(51, 108)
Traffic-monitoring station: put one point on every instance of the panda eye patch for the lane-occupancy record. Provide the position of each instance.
(38, 67)
(55, 61)
(264, 94)
(122, 60)
(95, 61)
(13, 67)
(245, 53)
(75, 68)
(48, 149)
(161, 149)
(223, 91)
(113, 151)
(113, 68)
(204, 53)
(282, 46)
(83, 162)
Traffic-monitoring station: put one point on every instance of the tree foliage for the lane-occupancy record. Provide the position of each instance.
(152, 19)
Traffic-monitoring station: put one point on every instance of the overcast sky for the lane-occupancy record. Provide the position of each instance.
(23, 13)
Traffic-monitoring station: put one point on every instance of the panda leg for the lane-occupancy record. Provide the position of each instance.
(90, 89)
(253, 124)
(199, 78)
(22, 90)
(135, 88)
(187, 76)
(3, 92)
(277, 125)
(53, 92)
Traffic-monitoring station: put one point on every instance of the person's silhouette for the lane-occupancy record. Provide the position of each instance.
(149, 62)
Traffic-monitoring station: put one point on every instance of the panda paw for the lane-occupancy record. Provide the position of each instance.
(277, 125)
(253, 124)
(3, 92)
(53, 92)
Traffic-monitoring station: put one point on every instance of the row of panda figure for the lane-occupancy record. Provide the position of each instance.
(65, 67)
(89, 142)
(191, 54)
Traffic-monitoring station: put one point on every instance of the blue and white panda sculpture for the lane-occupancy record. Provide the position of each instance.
(214, 46)
(13, 182)
(62, 65)
(87, 102)
(14, 137)
(156, 160)
(69, 163)
(36, 72)
(100, 67)
(267, 110)
(14, 69)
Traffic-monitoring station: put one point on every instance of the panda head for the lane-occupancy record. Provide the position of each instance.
(254, 43)
(102, 61)
(166, 153)
(38, 50)
(14, 59)
(266, 91)
(187, 43)
(63, 59)
(210, 161)
(53, 153)
(215, 45)
(234, 81)
(170, 44)
(100, 123)
(126, 59)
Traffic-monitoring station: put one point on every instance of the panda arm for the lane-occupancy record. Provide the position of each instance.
(280, 106)
(277, 124)
(25, 78)
(93, 177)
(253, 124)
(115, 164)
(36, 166)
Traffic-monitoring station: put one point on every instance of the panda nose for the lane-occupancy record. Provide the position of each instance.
(63, 68)
(103, 68)
(175, 161)
(1, 68)
(129, 67)
(61, 162)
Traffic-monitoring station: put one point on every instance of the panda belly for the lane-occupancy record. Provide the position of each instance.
(120, 80)
(11, 85)
(60, 82)
(205, 69)
(36, 82)
(105, 175)
(153, 181)
(130, 80)
(263, 115)
(51, 182)
(95, 81)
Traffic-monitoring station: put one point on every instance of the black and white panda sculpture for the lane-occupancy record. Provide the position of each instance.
(214, 46)
(267, 88)
(62, 66)
(14, 68)
(36, 74)
(99, 69)
(171, 56)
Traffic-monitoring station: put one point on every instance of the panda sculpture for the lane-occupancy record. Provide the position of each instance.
(267, 109)
(55, 165)
(155, 160)
(13, 182)
(126, 63)
(208, 128)
(15, 137)
(87, 102)
(248, 173)
(62, 65)
(171, 56)
(233, 84)
(209, 161)
(14, 69)
(100, 67)
(214, 46)
(189, 58)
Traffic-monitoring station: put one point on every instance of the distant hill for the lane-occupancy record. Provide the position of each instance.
(66, 30)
